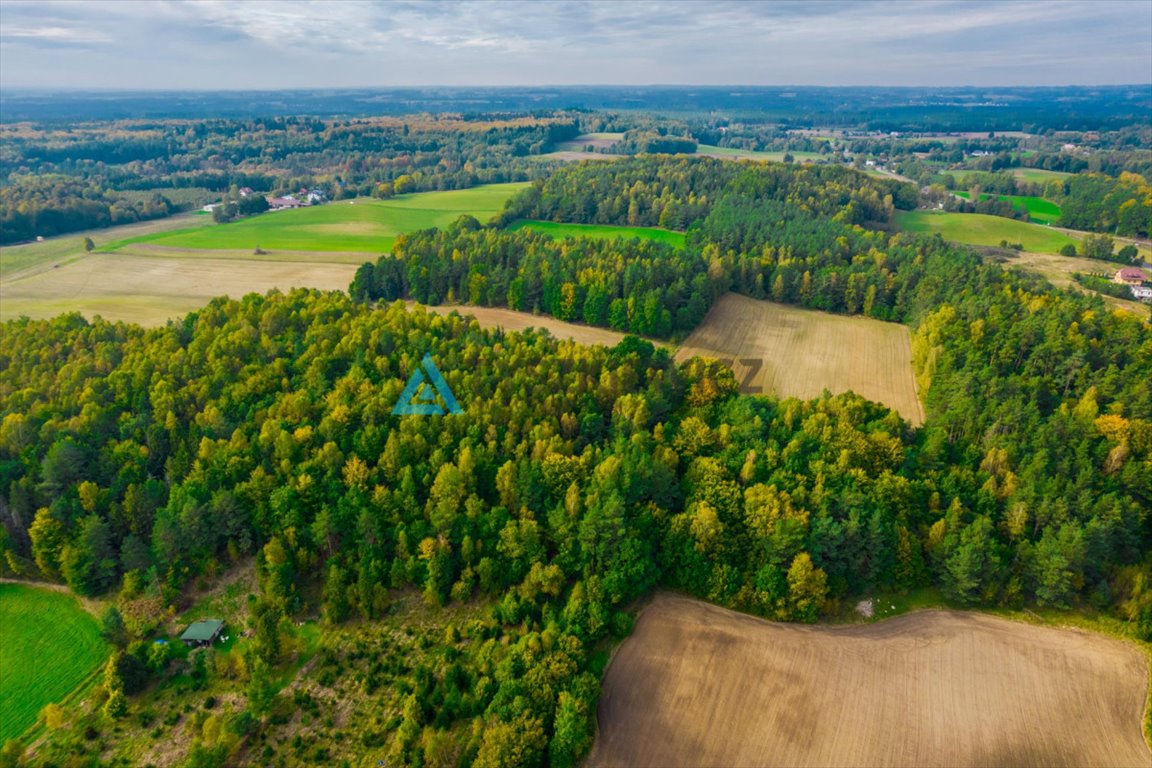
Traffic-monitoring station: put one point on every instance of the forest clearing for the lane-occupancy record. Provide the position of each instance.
(700, 685)
(804, 352)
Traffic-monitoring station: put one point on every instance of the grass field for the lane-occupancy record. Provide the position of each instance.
(700, 685)
(1028, 175)
(981, 229)
(729, 153)
(362, 225)
(1039, 209)
(1038, 175)
(600, 232)
(803, 352)
(50, 645)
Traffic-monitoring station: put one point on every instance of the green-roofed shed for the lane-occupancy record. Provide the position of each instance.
(201, 633)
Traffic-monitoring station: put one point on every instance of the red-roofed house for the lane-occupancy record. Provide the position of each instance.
(1129, 276)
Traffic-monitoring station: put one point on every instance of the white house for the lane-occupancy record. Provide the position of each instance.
(1141, 293)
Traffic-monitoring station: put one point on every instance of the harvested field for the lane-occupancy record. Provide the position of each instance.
(697, 685)
(149, 290)
(803, 352)
(511, 320)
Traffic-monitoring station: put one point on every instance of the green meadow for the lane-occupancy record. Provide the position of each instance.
(599, 232)
(1038, 175)
(1027, 175)
(363, 225)
(1039, 209)
(50, 646)
(981, 229)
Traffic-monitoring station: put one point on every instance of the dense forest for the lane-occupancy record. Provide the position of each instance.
(58, 179)
(578, 479)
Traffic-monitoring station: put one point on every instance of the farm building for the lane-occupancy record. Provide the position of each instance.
(202, 633)
(1141, 293)
(1129, 276)
(280, 203)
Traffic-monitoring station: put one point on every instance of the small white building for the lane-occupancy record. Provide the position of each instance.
(1141, 292)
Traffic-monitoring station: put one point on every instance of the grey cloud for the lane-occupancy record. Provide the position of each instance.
(304, 43)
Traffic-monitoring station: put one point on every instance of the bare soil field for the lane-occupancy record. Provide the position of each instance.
(150, 290)
(803, 352)
(697, 685)
(511, 320)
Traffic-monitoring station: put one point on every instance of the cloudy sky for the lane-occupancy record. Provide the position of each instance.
(219, 44)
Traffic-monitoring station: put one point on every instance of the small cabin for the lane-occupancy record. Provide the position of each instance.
(202, 633)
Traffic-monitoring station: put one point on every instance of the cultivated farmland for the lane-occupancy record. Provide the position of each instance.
(600, 232)
(700, 685)
(803, 352)
(50, 646)
(152, 289)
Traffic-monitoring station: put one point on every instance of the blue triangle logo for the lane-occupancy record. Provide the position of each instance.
(419, 397)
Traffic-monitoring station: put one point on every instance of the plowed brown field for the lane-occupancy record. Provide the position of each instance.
(697, 685)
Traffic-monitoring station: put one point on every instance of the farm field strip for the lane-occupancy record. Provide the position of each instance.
(17, 261)
(50, 646)
(695, 684)
(731, 153)
(803, 352)
(512, 320)
(361, 225)
(150, 290)
(601, 140)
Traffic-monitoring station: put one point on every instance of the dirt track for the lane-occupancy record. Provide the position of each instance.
(697, 685)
